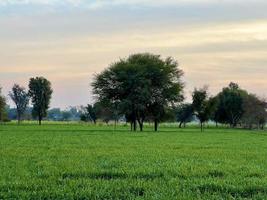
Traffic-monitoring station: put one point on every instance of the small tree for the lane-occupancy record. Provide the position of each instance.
(40, 92)
(20, 97)
(184, 114)
(255, 114)
(217, 113)
(54, 114)
(230, 109)
(89, 114)
(2, 106)
(66, 115)
(104, 111)
(201, 105)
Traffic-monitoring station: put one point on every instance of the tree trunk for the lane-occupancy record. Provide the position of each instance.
(134, 125)
(115, 125)
(201, 125)
(140, 122)
(141, 126)
(19, 119)
(131, 126)
(40, 119)
(180, 125)
(156, 125)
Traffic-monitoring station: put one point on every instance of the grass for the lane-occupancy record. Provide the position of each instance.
(77, 161)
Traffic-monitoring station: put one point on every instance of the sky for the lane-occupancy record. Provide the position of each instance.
(70, 41)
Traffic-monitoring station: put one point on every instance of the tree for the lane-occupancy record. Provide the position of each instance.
(141, 85)
(71, 113)
(89, 114)
(11, 113)
(122, 87)
(255, 114)
(230, 107)
(75, 113)
(166, 87)
(40, 92)
(104, 111)
(202, 105)
(184, 114)
(66, 115)
(54, 114)
(20, 97)
(2, 106)
(217, 112)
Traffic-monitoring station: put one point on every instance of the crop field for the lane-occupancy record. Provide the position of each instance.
(78, 161)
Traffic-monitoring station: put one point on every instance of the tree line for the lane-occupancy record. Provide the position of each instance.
(72, 113)
(40, 93)
(146, 88)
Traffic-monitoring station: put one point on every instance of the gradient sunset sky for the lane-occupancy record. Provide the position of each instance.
(68, 41)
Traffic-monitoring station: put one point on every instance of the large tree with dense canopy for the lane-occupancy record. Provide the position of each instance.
(139, 86)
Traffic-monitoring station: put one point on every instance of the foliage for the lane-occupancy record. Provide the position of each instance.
(70, 114)
(184, 114)
(11, 113)
(202, 105)
(2, 106)
(40, 92)
(20, 98)
(254, 112)
(140, 86)
(104, 111)
(89, 114)
(230, 105)
(66, 115)
(54, 114)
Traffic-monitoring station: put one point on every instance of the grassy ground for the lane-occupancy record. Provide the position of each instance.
(71, 161)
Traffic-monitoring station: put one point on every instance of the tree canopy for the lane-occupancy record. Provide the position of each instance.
(230, 104)
(255, 114)
(89, 114)
(140, 86)
(40, 92)
(202, 105)
(184, 114)
(20, 97)
(2, 106)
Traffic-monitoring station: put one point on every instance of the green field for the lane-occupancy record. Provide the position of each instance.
(75, 161)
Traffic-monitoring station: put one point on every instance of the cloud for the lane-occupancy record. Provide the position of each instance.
(214, 41)
(101, 3)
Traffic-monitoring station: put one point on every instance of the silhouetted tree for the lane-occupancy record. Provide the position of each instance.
(104, 111)
(89, 114)
(20, 98)
(202, 105)
(2, 106)
(184, 114)
(230, 107)
(40, 92)
(254, 112)
(217, 112)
